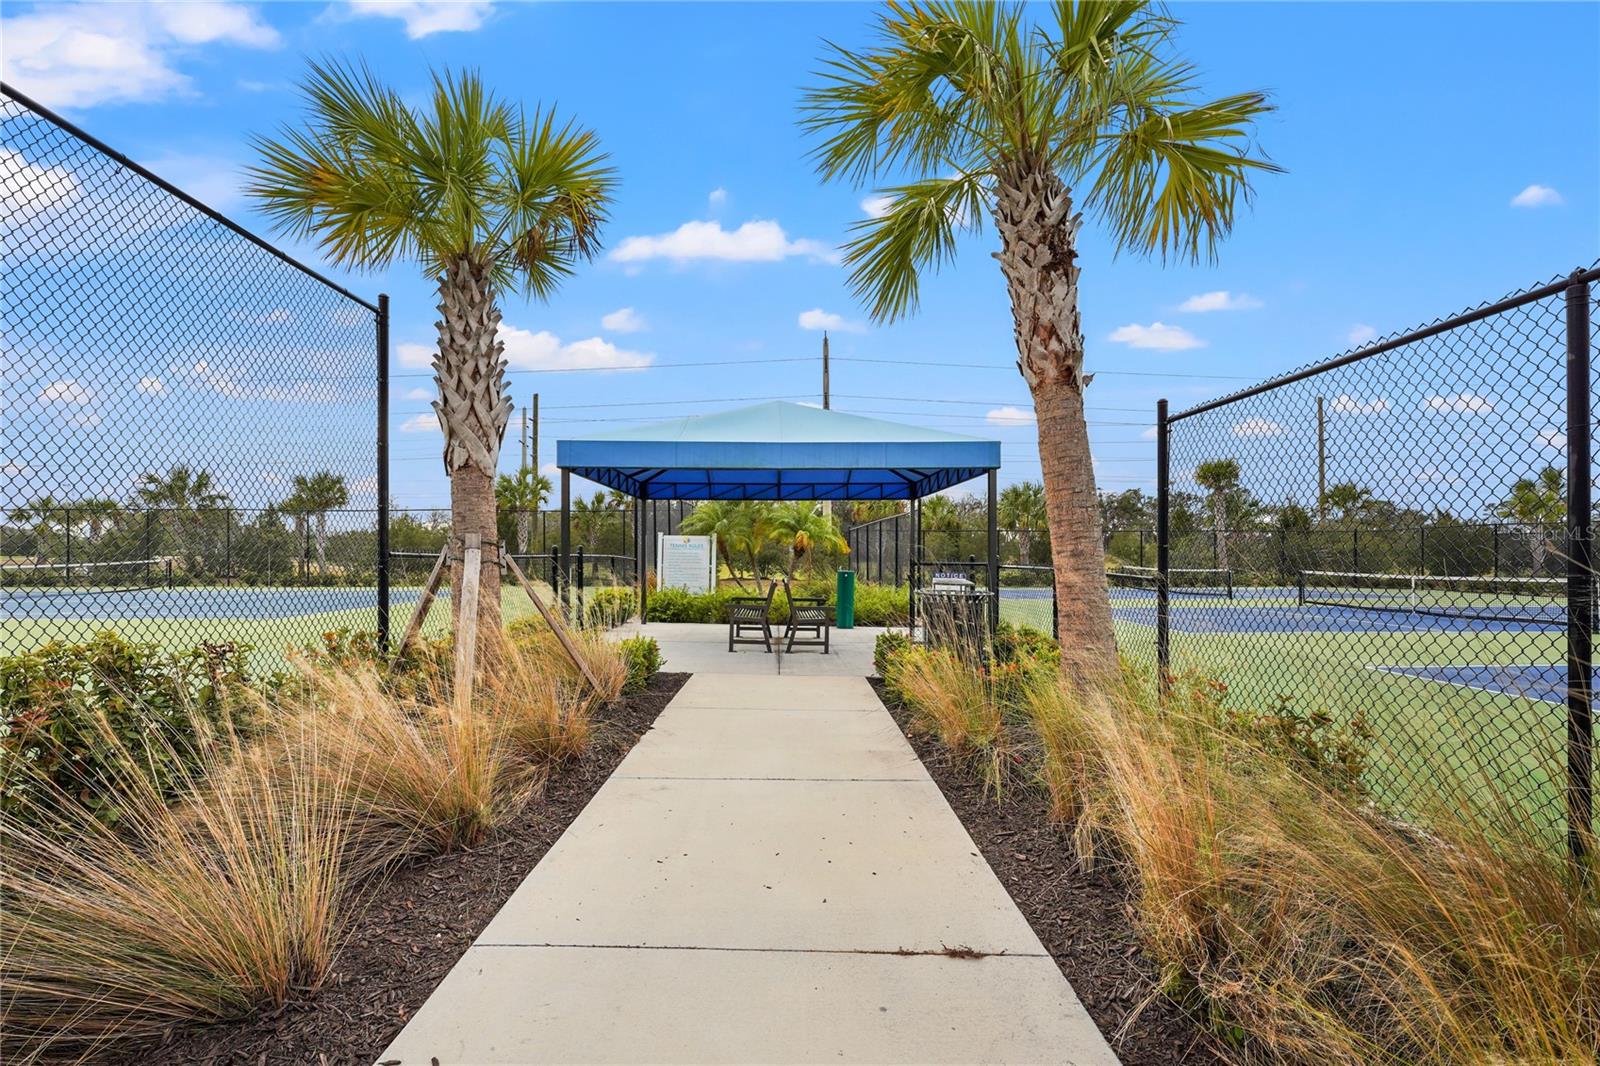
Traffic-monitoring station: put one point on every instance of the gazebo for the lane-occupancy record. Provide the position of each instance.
(778, 451)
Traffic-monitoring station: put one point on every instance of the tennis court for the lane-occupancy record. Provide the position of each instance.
(1464, 672)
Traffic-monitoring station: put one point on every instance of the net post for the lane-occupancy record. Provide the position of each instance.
(383, 470)
(1580, 578)
(1163, 547)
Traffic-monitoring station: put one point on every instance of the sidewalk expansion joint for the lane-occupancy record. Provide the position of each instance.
(839, 780)
(960, 951)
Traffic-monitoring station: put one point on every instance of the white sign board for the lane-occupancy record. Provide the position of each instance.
(686, 562)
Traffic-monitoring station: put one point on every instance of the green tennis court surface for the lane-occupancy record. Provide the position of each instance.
(1480, 697)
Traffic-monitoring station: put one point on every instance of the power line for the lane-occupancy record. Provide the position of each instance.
(636, 369)
(991, 366)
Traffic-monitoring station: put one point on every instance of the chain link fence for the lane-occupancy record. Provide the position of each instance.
(191, 420)
(1399, 538)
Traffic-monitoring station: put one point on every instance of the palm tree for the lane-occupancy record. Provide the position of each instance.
(1537, 503)
(482, 196)
(1021, 508)
(314, 497)
(39, 515)
(187, 495)
(941, 517)
(731, 523)
(805, 529)
(1349, 499)
(1220, 479)
(1002, 116)
(522, 493)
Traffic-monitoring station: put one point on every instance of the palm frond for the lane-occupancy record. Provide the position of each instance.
(918, 231)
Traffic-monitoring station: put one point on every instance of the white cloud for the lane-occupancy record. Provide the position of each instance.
(415, 356)
(1148, 434)
(72, 401)
(214, 378)
(1010, 416)
(718, 197)
(876, 206)
(1460, 403)
(550, 470)
(624, 320)
(65, 391)
(28, 190)
(427, 422)
(1537, 196)
(760, 240)
(82, 54)
(1550, 438)
(1221, 300)
(1345, 404)
(426, 17)
(151, 386)
(817, 318)
(1156, 335)
(212, 181)
(1360, 334)
(420, 393)
(527, 350)
(1256, 426)
(543, 350)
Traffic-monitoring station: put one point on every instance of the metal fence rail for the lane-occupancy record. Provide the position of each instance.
(193, 421)
(1407, 530)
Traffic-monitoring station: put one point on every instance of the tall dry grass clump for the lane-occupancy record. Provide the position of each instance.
(543, 713)
(1321, 931)
(417, 774)
(215, 895)
(957, 704)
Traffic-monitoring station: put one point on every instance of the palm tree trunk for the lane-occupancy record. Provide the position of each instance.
(322, 543)
(1219, 525)
(524, 528)
(1038, 232)
(474, 407)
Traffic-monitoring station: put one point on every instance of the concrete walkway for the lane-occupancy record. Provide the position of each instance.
(769, 876)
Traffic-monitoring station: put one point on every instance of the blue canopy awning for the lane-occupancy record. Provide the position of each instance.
(778, 451)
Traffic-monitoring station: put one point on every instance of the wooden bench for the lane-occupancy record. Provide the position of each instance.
(748, 615)
(809, 616)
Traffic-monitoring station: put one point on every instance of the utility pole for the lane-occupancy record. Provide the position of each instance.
(524, 438)
(825, 370)
(1322, 463)
(533, 433)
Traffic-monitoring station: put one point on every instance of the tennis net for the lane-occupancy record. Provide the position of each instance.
(1182, 581)
(105, 576)
(1511, 600)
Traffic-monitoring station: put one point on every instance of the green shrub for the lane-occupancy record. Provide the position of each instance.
(58, 702)
(876, 605)
(607, 607)
(644, 659)
(887, 646)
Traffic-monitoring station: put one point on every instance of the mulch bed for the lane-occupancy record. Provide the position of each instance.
(416, 924)
(1084, 919)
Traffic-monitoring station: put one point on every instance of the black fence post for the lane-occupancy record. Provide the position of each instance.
(1580, 578)
(66, 529)
(383, 470)
(897, 551)
(1163, 547)
(578, 599)
(993, 574)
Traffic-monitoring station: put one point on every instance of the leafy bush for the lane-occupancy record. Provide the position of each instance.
(876, 605)
(644, 660)
(609, 607)
(72, 715)
(888, 645)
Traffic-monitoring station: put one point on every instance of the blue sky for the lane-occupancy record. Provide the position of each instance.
(1437, 155)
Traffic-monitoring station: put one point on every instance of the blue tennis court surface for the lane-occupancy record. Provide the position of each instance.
(1548, 683)
(1243, 616)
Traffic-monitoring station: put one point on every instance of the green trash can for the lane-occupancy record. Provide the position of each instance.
(844, 612)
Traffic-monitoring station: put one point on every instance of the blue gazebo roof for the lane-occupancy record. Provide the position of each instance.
(778, 451)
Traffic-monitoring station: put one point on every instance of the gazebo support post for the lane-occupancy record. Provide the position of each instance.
(912, 569)
(564, 571)
(639, 554)
(994, 552)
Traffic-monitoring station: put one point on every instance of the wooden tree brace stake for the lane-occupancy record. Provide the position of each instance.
(467, 619)
(420, 613)
(556, 625)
